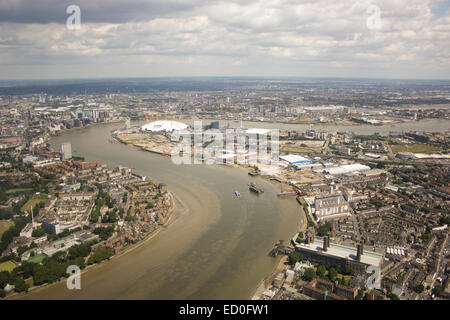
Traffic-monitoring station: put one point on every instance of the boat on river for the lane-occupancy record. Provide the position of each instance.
(255, 188)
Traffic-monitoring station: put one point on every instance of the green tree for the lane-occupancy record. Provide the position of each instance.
(309, 274)
(324, 229)
(419, 288)
(39, 232)
(321, 271)
(112, 216)
(4, 279)
(332, 274)
(95, 214)
(100, 254)
(437, 290)
(104, 232)
(295, 257)
(20, 285)
(80, 250)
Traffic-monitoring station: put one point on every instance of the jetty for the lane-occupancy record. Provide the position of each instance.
(280, 248)
(291, 194)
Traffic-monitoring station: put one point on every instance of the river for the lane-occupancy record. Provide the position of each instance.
(215, 247)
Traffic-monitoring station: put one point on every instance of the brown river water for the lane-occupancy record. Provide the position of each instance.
(216, 245)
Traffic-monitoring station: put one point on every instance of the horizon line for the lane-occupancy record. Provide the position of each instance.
(225, 77)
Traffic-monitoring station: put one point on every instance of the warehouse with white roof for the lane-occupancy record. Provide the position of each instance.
(295, 159)
(344, 169)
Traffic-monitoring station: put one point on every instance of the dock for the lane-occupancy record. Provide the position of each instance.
(280, 248)
(291, 194)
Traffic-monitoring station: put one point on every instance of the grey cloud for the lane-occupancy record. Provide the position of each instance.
(106, 11)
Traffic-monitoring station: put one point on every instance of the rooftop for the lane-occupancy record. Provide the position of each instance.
(293, 158)
(164, 125)
(347, 168)
(342, 251)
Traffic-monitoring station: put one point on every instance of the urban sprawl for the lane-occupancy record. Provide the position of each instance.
(369, 201)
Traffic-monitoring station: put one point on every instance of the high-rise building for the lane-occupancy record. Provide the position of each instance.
(66, 151)
(51, 227)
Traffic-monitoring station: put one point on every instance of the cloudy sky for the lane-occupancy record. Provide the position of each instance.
(152, 38)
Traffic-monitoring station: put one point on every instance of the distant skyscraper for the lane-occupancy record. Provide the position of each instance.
(66, 151)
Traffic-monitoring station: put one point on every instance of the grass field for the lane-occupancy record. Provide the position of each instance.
(296, 149)
(4, 225)
(414, 148)
(37, 259)
(7, 266)
(18, 190)
(31, 203)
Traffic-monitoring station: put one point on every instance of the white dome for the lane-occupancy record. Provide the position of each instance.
(164, 125)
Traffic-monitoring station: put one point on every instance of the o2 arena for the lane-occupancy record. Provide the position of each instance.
(164, 125)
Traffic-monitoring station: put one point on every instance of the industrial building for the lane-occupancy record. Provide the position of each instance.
(345, 169)
(295, 159)
(51, 227)
(320, 250)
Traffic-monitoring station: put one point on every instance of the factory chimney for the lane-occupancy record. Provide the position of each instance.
(358, 252)
(325, 244)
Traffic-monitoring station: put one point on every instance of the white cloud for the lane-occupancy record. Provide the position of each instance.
(237, 36)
